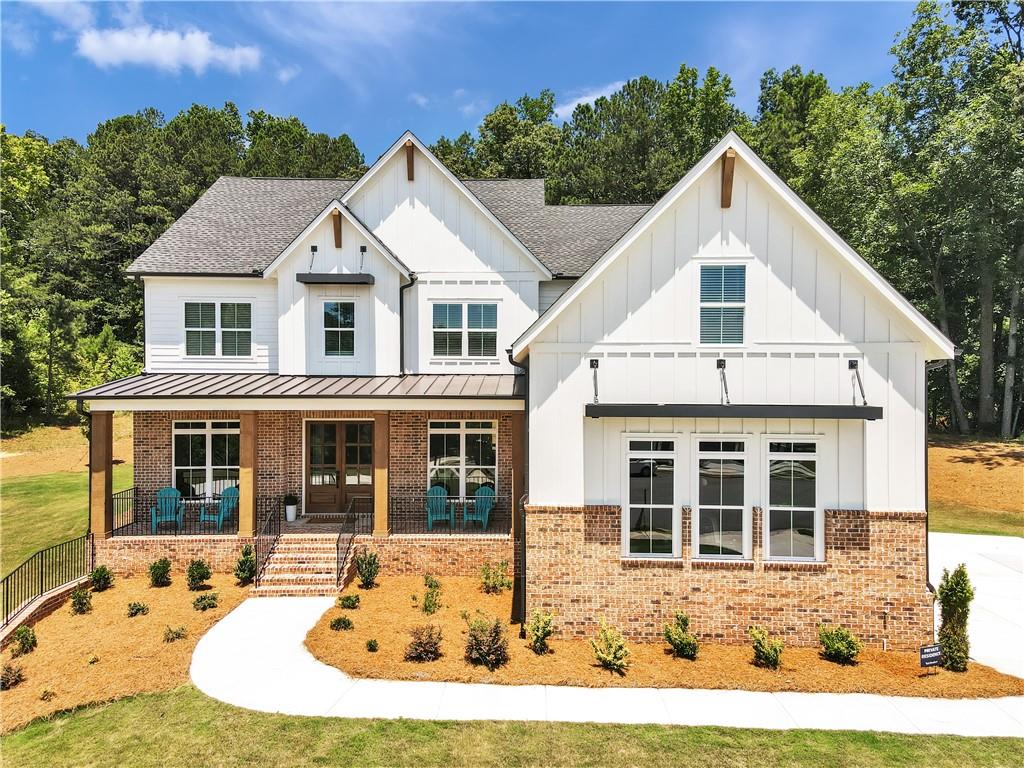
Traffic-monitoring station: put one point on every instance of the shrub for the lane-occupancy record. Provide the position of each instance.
(137, 609)
(432, 601)
(160, 573)
(81, 601)
(610, 649)
(291, 500)
(838, 644)
(486, 643)
(677, 634)
(955, 594)
(197, 575)
(494, 579)
(10, 676)
(46, 695)
(538, 629)
(350, 602)
(245, 568)
(341, 622)
(767, 651)
(371, 646)
(24, 640)
(175, 633)
(205, 602)
(102, 579)
(431, 582)
(425, 644)
(367, 568)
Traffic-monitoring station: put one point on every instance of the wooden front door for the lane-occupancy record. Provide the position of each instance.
(339, 464)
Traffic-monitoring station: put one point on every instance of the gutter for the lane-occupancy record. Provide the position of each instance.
(401, 322)
(519, 587)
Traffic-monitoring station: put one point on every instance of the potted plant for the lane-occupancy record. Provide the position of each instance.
(291, 505)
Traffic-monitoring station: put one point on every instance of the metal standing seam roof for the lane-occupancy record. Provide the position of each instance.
(272, 385)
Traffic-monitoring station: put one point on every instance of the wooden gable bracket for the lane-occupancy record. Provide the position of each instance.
(409, 150)
(337, 229)
(728, 167)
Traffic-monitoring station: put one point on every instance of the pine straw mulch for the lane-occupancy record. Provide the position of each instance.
(131, 654)
(976, 473)
(386, 613)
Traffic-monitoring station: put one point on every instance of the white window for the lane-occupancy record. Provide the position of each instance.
(651, 522)
(793, 527)
(462, 456)
(721, 519)
(202, 329)
(205, 457)
(339, 328)
(465, 330)
(723, 295)
(236, 329)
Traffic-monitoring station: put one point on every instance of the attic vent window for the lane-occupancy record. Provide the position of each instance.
(723, 296)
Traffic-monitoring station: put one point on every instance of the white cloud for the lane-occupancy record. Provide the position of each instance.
(419, 100)
(75, 16)
(458, 93)
(564, 110)
(18, 36)
(288, 73)
(474, 107)
(164, 49)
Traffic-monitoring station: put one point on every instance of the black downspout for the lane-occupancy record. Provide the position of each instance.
(401, 322)
(519, 586)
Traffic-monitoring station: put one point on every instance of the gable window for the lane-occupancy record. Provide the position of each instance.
(205, 457)
(200, 328)
(723, 295)
(339, 328)
(236, 329)
(792, 499)
(462, 456)
(465, 330)
(651, 523)
(721, 469)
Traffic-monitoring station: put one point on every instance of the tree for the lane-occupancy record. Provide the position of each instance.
(518, 140)
(284, 146)
(458, 156)
(783, 110)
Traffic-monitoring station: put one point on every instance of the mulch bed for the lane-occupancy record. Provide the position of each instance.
(387, 614)
(977, 473)
(131, 655)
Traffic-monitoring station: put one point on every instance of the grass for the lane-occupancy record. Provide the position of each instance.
(953, 517)
(183, 728)
(39, 510)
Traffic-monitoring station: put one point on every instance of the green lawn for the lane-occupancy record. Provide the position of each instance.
(959, 518)
(39, 510)
(185, 728)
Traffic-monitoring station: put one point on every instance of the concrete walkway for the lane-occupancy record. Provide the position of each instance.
(255, 658)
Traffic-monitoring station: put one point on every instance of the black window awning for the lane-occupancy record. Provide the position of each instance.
(737, 411)
(348, 278)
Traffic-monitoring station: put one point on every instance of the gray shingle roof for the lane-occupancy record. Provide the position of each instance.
(240, 225)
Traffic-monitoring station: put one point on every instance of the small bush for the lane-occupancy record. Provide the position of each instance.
(838, 644)
(538, 629)
(367, 568)
(94, 659)
(81, 600)
(205, 602)
(291, 500)
(47, 695)
(677, 634)
(431, 582)
(432, 601)
(767, 651)
(425, 644)
(245, 568)
(371, 646)
(197, 575)
(494, 579)
(486, 643)
(341, 622)
(955, 594)
(175, 633)
(160, 573)
(24, 641)
(10, 676)
(610, 649)
(349, 602)
(102, 579)
(137, 609)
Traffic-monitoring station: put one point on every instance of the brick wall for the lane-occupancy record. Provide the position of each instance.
(131, 555)
(439, 555)
(873, 581)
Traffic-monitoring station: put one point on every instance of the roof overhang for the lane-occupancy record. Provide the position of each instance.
(338, 278)
(740, 411)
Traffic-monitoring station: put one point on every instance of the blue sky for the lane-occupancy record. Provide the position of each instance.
(373, 70)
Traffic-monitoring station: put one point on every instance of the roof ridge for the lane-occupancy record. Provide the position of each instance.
(284, 178)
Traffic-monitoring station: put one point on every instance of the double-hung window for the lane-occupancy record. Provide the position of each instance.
(792, 499)
(205, 457)
(723, 295)
(236, 329)
(721, 470)
(465, 330)
(462, 456)
(202, 329)
(339, 328)
(650, 527)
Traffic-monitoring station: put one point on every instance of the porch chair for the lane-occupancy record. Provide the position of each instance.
(438, 508)
(480, 510)
(168, 509)
(226, 506)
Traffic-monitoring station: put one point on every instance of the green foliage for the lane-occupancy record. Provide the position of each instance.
(494, 579)
(538, 629)
(291, 500)
(205, 602)
(101, 578)
(23, 641)
(351, 602)
(610, 649)
(341, 622)
(371, 646)
(172, 634)
(197, 575)
(677, 634)
(160, 573)
(955, 594)
(81, 601)
(767, 650)
(425, 644)
(137, 609)
(432, 597)
(486, 643)
(367, 567)
(245, 568)
(10, 676)
(838, 644)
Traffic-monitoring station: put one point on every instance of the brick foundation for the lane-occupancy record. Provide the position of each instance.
(439, 555)
(873, 581)
(132, 555)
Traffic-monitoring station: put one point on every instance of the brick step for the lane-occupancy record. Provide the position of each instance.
(295, 591)
(302, 559)
(315, 577)
(291, 549)
(286, 568)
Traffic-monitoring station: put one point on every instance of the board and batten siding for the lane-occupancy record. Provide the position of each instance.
(165, 299)
(807, 314)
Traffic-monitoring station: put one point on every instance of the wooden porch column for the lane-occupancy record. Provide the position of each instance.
(518, 454)
(381, 449)
(247, 467)
(101, 461)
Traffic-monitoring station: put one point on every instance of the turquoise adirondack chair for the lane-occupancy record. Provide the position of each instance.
(438, 509)
(480, 511)
(168, 509)
(226, 506)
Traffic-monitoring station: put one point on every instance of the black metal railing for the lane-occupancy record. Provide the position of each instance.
(357, 519)
(269, 512)
(138, 513)
(47, 569)
(455, 514)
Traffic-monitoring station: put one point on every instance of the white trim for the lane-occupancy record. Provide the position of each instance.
(464, 330)
(307, 404)
(748, 497)
(218, 330)
(941, 347)
(819, 509)
(461, 431)
(677, 486)
(208, 431)
(322, 349)
(409, 136)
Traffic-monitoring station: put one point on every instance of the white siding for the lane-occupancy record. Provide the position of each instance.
(549, 292)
